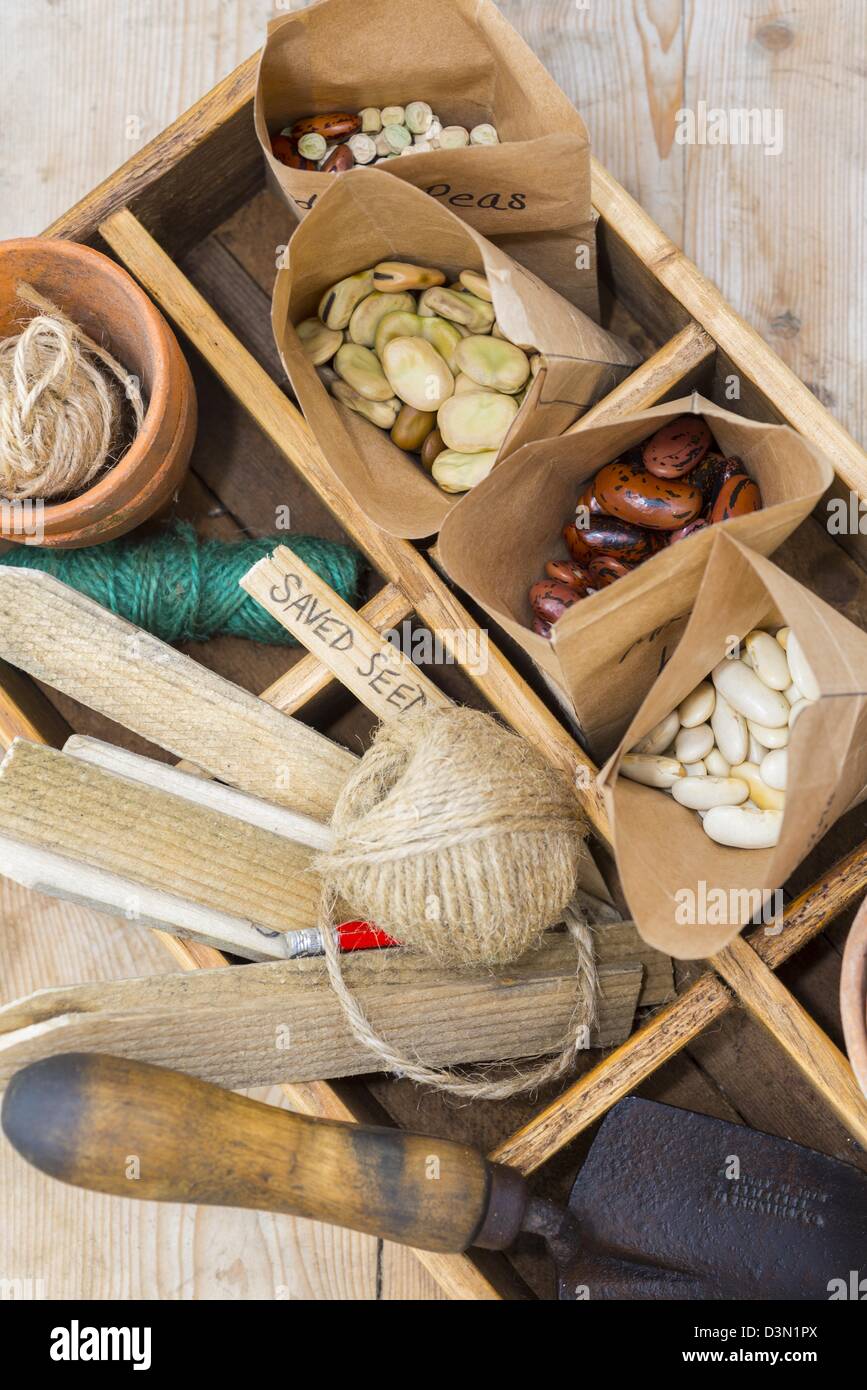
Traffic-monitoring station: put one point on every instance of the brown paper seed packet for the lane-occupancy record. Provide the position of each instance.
(467, 62)
(689, 895)
(367, 217)
(607, 650)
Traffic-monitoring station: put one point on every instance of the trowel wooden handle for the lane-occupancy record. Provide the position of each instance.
(137, 1130)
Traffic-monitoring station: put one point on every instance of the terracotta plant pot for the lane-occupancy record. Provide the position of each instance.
(106, 302)
(853, 996)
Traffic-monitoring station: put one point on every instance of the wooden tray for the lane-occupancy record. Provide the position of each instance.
(189, 218)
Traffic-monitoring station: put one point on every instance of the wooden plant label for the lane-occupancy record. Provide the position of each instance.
(380, 676)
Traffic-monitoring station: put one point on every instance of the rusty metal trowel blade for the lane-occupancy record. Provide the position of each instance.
(674, 1205)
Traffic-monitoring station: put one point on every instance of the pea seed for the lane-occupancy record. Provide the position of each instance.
(477, 284)
(418, 117)
(371, 120)
(396, 325)
(381, 413)
(412, 427)
(460, 307)
(383, 148)
(476, 420)
(484, 135)
(372, 310)
(319, 343)
(444, 336)
(492, 362)
(417, 373)
(360, 369)
(337, 304)
(393, 115)
(454, 137)
(363, 147)
(312, 146)
(457, 472)
(397, 138)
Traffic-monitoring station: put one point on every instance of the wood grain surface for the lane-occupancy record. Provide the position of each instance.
(775, 232)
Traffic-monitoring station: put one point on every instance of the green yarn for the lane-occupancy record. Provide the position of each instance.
(183, 589)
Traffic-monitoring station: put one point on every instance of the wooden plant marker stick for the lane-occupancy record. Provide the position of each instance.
(201, 790)
(74, 645)
(378, 675)
(156, 840)
(620, 951)
(174, 917)
(309, 677)
(262, 1025)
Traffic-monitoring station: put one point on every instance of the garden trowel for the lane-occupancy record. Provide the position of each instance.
(668, 1204)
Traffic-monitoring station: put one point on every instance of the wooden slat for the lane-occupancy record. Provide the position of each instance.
(197, 787)
(261, 1025)
(674, 370)
(25, 712)
(696, 1009)
(74, 645)
(155, 839)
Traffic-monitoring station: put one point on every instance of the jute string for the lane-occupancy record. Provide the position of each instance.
(60, 415)
(459, 839)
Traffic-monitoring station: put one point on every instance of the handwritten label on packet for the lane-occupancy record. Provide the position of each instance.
(485, 202)
(379, 675)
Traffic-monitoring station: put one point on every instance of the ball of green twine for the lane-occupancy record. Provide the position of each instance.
(183, 589)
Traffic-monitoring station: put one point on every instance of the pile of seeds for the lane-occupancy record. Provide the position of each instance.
(424, 360)
(340, 140)
(724, 751)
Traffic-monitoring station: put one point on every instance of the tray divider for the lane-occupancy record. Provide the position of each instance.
(673, 370)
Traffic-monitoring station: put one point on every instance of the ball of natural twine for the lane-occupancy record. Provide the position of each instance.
(60, 415)
(455, 836)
